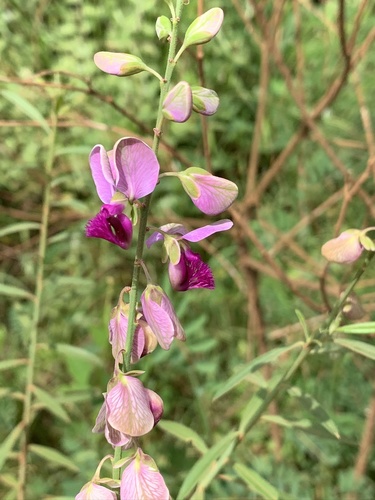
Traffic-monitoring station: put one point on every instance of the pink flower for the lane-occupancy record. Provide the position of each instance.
(211, 194)
(344, 249)
(160, 315)
(130, 168)
(92, 491)
(186, 268)
(112, 225)
(141, 480)
(124, 416)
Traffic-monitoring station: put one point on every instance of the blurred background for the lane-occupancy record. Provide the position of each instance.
(296, 85)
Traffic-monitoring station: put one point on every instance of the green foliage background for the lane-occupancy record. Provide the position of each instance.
(83, 277)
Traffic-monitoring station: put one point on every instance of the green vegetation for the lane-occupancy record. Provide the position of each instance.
(293, 130)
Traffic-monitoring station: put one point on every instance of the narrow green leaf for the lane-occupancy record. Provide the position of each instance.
(12, 363)
(78, 353)
(7, 445)
(9, 481)
(358, 329)
(15, 292)
(18, 228)
(51, 404)
(316, 410)
(184, 433)
(204, 464)
(53, 456)
(27, 108)
(253, 366)
(301, 319)
(215, 468)
(363, 348)
(254, 407)
(256, 483)
(302, 424)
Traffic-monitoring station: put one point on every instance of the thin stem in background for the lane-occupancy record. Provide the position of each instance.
(27, 408)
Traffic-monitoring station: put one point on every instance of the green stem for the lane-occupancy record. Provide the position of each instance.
(39, 283)
(133, 297)
(164, 86)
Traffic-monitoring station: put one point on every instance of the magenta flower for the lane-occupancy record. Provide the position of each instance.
(186, 268)
(130, 168)
(144, 340)
(129, 407)
(112, 225)
(190, 272)
(93, 491)
(160, 315)
(141, 479)
(211, 194)
(177, 106)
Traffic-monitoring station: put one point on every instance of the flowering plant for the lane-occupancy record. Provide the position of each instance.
(125, 177)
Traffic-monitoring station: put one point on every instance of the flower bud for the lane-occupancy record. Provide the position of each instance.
(119, 64)
(205, 101)
(204, 28)
(344, 249)
(163, 27)
(211, 194)
(177, 106)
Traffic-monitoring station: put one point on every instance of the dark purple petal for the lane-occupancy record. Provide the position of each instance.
(190, 272)
(138, 168)
(206, 231)
(111, 225)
